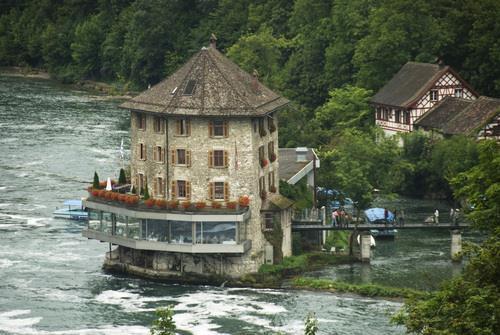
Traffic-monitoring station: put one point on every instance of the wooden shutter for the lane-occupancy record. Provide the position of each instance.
(226, 191)
(155, 185)
(188, 158)
(177, 127)
(188, 127)
(155, 154)
(210, 158)
(226, 158)
(210, 129)
(188, 190)
(172, 155)
(226, 129)
(173, 191)
(211, 191)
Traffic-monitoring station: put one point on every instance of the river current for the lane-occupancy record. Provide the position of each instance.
(52, 139)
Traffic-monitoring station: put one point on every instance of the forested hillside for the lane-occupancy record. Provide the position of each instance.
(327, 57)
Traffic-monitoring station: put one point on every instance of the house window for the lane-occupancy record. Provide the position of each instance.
(158, 125)
(183, 127)
(268, 221)
(181, 188)
(159, 187)
(458, 92)
(379, 113)
(141, 121)
(219, 191)
(181, 156)
(142, 151)
(406, 115)
(262, 130)
(218, 158)
(158, 154)
(434, 95)
(190, 87)
(397, 116)
(271, 181)
(218, 128)
(141, 181)
(262, 184)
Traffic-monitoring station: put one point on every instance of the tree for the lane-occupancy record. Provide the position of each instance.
(164, 324)
(311, 324)
(95, 184)
(122, 179)
(146, 192)
(469, 303)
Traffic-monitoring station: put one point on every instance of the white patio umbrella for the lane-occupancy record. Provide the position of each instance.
(108, 185)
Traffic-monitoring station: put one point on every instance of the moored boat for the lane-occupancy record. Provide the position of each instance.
(383, 221)
(72, 209)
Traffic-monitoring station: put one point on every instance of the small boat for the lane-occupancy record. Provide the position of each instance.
(383, 221)
(73, 209)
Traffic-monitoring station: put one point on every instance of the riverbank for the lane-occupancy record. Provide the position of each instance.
(106, 91)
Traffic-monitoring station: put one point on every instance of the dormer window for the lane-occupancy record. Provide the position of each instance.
(458, 92)
(190, 87)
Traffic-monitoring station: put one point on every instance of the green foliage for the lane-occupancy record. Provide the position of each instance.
(300, 193)
(146, 193)
(337, 239)
(95, 183)
(479, 187)
(470, 303)
(368, 290)
(164, 324)
(122, 179)
(311, 324)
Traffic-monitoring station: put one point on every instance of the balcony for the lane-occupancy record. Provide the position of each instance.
(191, 230)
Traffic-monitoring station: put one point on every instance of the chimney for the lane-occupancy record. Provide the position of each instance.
(255, 81)
(213, 41)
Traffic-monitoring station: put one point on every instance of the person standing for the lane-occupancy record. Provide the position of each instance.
(436, 216)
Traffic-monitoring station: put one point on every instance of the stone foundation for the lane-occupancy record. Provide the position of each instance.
(179, 266)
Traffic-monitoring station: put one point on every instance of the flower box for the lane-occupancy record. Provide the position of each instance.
(160, 203)
(172, 204)
(150, 202)
(186, 204)
(200, 204)
(231, 204)
(216, 204)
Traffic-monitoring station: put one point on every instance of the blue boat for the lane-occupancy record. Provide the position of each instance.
(72, 209)
(383, 220)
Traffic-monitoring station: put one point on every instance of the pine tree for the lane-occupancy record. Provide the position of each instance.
(95, 184)
(122, 180)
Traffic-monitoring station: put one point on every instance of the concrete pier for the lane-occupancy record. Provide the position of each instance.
(456, 245)
(365, 247)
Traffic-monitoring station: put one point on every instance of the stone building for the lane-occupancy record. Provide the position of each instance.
(205, 137)
(415, 89)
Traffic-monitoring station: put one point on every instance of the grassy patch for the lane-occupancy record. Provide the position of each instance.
(368, 290)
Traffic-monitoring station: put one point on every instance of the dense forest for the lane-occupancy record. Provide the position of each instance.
(327, 57)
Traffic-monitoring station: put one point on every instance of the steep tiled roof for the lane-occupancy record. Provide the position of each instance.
(410, 83)
(221, 89)
(474, 116)
(289, 166)
(439, 115)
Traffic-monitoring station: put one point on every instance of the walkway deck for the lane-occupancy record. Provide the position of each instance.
(319, 227)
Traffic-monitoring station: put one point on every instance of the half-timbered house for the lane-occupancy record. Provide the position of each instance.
(415, 89)
(479, 118)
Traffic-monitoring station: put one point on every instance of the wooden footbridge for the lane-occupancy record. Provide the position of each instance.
(298, 225)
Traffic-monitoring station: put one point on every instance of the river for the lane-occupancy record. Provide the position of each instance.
(52, 140)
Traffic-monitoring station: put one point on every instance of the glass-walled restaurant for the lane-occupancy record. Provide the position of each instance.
(169, 231)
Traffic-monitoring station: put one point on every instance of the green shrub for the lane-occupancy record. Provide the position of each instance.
(122, 180)
(95, 184)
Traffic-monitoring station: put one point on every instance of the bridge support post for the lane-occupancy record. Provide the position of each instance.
(456, 245)
(323, 216)
(366, 251)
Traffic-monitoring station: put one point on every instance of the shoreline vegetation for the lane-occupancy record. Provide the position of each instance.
(107, 90)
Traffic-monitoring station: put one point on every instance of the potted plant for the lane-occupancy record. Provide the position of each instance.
(160, 203)
(244, 201)
(149, 202)
(200, 204)
(96, 182)
(231, 204)
(186, 204)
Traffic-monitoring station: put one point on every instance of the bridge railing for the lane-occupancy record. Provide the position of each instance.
(308, 214)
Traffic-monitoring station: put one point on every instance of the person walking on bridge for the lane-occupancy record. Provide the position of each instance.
(436, 216)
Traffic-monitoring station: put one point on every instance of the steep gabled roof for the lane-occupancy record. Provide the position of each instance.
(410, 83)
(289, 166)
(439, 115)
(473, 117)
(220, 88)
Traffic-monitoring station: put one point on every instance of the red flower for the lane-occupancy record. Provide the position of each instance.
(244, 201)
(231, 204)
(263, 162)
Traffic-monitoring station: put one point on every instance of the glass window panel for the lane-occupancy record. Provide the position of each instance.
(106, 222)
(157, 230)
(121, 225)
(218, 128)
(181, 232)
(216, 232)
(94, 219)
(133, 228)
(219, 190)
